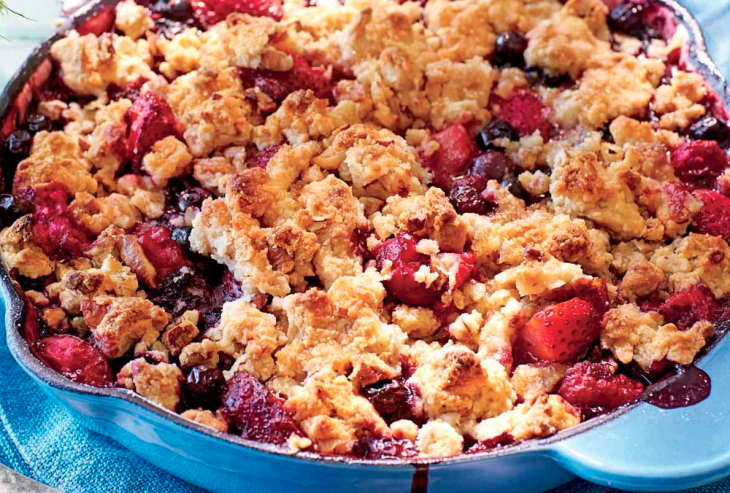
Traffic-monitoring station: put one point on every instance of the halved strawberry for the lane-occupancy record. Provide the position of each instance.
(54, 228)
(699, 162)
(163, 252)
(714, 217)
(456, 151)
(689, 306)
(75, 359)
(590, 385)
(254, 412)
(561, 332)
(524, 111)
(278, 85)
(149, 119)
(211, 12)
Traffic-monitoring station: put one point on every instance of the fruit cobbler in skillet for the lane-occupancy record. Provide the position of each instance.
(373, 229)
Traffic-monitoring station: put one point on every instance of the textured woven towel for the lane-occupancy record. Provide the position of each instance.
(42, 441)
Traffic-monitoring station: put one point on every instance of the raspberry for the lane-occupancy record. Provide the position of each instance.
(699, 162)
(278, 85)
(211, 12)
(149, 119)
(54, 228)
(714, 217)
(161, 250)
(689, 306)
(76, 360)
(251, 409)
(595, 385)
(524, 111)
(401, 251)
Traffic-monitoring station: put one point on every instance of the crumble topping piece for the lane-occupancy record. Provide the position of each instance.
(159, 383)
(19, 251)
(206, 418)
(132, 19)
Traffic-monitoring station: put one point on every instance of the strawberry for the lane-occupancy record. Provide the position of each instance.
(689, 306)
(161, 250)
(699, 162)
(278, 85)
(714, 217)
(54, 228)
(211, 12)
(406, 261)
(455, 153)
(256, 413)
(524, 111)
(591, 385)
(561, 332)
(149, 119)
(75, 359)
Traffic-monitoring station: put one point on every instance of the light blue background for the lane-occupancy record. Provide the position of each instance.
(53, 449)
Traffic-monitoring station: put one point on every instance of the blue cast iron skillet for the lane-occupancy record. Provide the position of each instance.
(640, 447)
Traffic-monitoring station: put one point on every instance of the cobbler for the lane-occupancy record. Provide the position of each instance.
(371, 228)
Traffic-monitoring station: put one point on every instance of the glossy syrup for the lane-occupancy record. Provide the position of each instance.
(419, 483)
(689, 386)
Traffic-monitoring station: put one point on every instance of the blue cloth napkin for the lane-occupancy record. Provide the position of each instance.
(41, 440)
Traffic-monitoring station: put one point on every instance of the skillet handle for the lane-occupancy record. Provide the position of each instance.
(653, 449)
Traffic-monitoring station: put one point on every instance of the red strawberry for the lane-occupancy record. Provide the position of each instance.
(561, 332)
(54, 228)
(524, 111)
(714, 217)
(699, 162)
(595, 385)
(406, 261)
(211, 12)
(161, 250)
(261, 159)
(689, 306)
(462, 267)
(455, 153)
(76, 360)
(150, 119)
(278, 85)
(251, 409)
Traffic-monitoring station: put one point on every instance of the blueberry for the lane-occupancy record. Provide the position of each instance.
(498, 129)
(628, 18)
(203, 387)
(37, 123)
(710, 128)
(18, 143)
(182, 236)
(193, 197)
(466, 196)
(491, 165)
(510, 47)
(393, 399)
(180, 10)
(513, 186)
(535, 76)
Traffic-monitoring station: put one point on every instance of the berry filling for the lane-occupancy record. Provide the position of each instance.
(595, 388)
(278, 85)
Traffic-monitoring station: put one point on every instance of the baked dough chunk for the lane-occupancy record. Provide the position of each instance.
(328, 409)
(90, 63)
(378, 163)
(19, 251)
(680, 102)
(132, 19)
(631, 334)
(439, 439)
(535, 379)
(565, 42)
(206, 418)
(213, 109)
(454, 380)
(55, 157)
(425, 216)
(119, 322)
(160, 383)
(613, 85)
(541, 417)
(250, 42)
(169, 158)
(695, 259)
